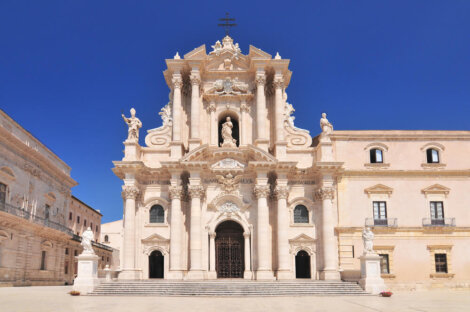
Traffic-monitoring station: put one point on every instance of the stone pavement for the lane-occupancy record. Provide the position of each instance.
(55, 298)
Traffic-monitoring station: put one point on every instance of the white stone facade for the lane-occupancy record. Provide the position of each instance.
(298, 203)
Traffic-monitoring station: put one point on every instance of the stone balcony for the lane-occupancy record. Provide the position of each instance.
(429, 222)
(388, 222)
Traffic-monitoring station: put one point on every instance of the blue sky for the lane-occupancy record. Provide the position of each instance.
(68, 68)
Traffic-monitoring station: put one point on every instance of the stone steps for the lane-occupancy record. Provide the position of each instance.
(226, 288)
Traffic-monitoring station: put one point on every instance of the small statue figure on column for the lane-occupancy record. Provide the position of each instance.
(325, 125)
(227, 127)
(134, 125)
(367, 239)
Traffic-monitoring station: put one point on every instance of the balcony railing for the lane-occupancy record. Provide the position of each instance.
(389, 222)
(96, 244)
(21, 213)
(439, 222)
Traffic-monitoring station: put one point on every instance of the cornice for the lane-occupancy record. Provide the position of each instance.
(440, 173)
(400, 135)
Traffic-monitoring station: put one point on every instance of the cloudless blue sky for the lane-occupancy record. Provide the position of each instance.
(68, 68)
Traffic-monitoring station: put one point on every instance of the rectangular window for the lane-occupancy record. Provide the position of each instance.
(432, 156)
(437, 212)
(75, 253)
(84, 222)
(78, 219)
(46, 212)
(43, 260)
(66, 251)
(3, 193)
(441, 263)
(384, 264)
(107, 259)
(70, 216)
(380, 213)
(91, 225)
(96, 229)
(66, 267)
(376, 156)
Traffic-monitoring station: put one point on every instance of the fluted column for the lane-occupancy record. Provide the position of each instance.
(245, 110)
(247, 274)
(195, 106)
(279, 107)
(212, 273)
(129, 195)
(264, 268)
(213, 125)
(195, 243)
(330, 248)
(284, 269)
(176, 233)
(261, 115)
(176, 145)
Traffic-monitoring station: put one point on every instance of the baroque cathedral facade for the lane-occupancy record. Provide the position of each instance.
(229, 187)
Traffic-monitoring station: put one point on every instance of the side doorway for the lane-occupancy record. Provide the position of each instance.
(156, 264)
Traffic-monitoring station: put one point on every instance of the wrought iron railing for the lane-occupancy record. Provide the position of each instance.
(21, 213)
(78, 238)
(389, 222)
(439, 222)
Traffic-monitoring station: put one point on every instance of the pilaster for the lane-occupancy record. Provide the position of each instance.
(261, 114)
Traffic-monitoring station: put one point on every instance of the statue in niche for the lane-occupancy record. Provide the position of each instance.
(227, 127)
(134, 125)
(367, 239)
(87, 238)
(325, 125)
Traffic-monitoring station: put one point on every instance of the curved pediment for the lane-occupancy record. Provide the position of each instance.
(243, 154)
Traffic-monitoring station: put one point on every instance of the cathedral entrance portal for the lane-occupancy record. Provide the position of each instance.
(302, 264)
(229, 250)
(156, 264)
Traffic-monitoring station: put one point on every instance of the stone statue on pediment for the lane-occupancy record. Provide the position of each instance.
(134, 125)
(87, 238)
(227, 127)
(325, 125)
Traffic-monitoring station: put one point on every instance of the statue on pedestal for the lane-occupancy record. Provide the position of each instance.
(367, 239)
(87, 238)
(229, 141)
(325, 125)
(134, 125)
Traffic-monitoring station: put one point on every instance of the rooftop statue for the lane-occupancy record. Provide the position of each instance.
(227, 127)
(134, 125)
(87, 238)
(325, 125)
(226, 45)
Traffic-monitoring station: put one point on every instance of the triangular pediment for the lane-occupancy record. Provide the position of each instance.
(379, 189)
(301, 238)
(436, 189)
(198, 53)
(258, 53)
(227, 61)
(154, 238)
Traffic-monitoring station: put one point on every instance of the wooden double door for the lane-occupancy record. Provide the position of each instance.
(229, 250)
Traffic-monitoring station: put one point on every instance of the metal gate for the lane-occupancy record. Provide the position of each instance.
(229, 255)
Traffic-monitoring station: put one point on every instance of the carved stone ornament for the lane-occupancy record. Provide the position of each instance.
(228, 163)
(281, 192)
(278, 82)
(177, 81)
(195, 79)
(161, 137)
(296, 138)
(227, 45)
(229, 182)
(228, 86)
(260, 79)
(261, 191)
(130, 192)
(325, 193)
(229, 208)
(176, 192)
(244, 108)
(196, 191)
(211, 108)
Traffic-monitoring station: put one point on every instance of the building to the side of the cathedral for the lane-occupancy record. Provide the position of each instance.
(41, 223)
(229, 187)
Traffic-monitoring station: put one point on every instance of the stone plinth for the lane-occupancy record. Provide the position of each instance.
(370, 273)
(87, 275)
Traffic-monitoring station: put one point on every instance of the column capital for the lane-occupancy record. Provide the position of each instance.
(212, 235)
(177, 81)
(196, 191)
(130, 192)
(195, 79)
(245, 108)
(246, 235)
(278, 82)
(281, 192)
(261, 191)
(325, 193)
(176, 192)
(260, 79)
(211, 107)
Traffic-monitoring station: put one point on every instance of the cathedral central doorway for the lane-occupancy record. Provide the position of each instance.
(156, 264)
(302, 264)
(229, 250)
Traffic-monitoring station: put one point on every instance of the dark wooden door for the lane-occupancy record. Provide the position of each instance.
(156, 264)
(229, 255)
(302, 265)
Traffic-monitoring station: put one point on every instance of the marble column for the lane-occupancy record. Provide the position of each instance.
(176, 145)
(195, 106)
(213, 125)
(284, 269)
(264, 268)
(247, 274)
(212, 272)
(261, 115)
(176, 224)
(245, 110)
(195, 243)
(330, 249)
(129, 271)
(279, 107)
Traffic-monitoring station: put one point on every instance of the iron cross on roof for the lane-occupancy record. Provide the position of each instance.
(227, 23)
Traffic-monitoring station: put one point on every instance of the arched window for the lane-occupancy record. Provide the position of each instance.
(432, 156)
(157, 214)
(300, 214)
(376, 156)
(106, 238)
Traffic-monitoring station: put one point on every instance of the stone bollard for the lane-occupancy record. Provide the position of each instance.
(108, 272)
